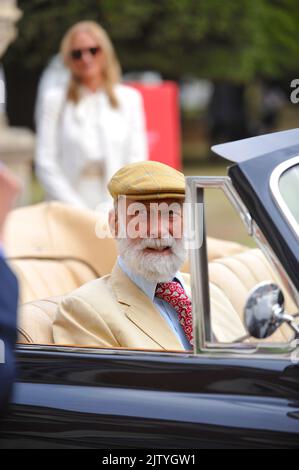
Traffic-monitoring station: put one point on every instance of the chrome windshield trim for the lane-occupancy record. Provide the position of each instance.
(195, 186)
(202, 346)
(274, 187)
(198, 266)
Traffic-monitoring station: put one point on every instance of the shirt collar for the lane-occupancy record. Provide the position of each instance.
(148, 287)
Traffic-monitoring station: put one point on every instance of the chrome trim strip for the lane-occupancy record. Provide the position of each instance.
(274, 187)
(198, 267)
(56, 348)
(213, 351)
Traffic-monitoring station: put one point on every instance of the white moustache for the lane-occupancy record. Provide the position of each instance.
(153, 266)
(157, 243)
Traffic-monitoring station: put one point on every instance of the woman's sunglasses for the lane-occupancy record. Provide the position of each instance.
(77, 54)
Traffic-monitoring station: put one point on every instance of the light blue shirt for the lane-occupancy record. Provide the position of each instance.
(166, 310)
(1, 251)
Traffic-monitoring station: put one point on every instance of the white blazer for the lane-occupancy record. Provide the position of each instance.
(74, 138)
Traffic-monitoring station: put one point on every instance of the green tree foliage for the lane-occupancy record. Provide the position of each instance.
(219, 39)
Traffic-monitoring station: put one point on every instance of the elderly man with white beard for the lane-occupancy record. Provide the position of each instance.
(145, 302)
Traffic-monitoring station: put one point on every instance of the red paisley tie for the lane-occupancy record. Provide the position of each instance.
(174, 294)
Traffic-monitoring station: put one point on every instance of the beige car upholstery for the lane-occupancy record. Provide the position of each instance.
(36, 320)
(53, 248)
(234, 276)
(237, 275)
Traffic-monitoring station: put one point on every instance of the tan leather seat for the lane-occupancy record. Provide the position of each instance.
(237, 275)
(40, 279)
(53, 249)
(218, 249)
(222, 248)
(36, 321)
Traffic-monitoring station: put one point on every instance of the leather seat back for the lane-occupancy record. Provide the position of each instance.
(40, 279)
(53, 248)
(237, 275)
(36, 321)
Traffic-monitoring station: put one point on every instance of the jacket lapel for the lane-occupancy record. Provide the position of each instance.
(141, 311)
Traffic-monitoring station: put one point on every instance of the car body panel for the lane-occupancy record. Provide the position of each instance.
(152, 400)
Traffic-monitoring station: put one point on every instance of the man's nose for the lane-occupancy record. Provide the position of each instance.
(159, 227)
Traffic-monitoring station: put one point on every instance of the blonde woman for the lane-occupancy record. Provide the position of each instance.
(92, 127)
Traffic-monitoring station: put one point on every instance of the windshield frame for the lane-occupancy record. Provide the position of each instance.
(203, 341)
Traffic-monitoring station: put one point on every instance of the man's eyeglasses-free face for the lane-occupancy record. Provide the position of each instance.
(77, 54)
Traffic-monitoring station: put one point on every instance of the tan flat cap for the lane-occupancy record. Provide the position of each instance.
(147, 180)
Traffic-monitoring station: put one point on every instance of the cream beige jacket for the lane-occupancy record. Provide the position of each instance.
(112, 312)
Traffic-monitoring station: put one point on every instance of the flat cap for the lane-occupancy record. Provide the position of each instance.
(147, 180)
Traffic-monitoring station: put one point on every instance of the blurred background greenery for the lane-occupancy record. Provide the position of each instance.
(234, 62)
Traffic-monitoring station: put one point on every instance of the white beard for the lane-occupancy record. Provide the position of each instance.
(152, 266)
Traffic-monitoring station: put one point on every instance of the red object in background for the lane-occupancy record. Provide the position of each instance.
(161, 104)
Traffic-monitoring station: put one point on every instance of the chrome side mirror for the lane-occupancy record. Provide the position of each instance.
(264, 311)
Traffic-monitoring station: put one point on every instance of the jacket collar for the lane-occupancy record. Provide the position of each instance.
(141, 310)
(148, 287)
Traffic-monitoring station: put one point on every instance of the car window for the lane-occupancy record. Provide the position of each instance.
(288, 187)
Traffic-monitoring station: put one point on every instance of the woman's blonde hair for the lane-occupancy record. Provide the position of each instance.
(112, 70)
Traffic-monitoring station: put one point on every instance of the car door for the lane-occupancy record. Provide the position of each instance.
(71, 398)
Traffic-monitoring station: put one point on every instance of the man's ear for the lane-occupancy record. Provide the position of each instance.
(113, 223)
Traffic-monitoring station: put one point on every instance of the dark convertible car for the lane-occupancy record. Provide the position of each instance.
(242, 393)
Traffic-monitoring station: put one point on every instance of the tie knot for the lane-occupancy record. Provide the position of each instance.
(168, 288)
